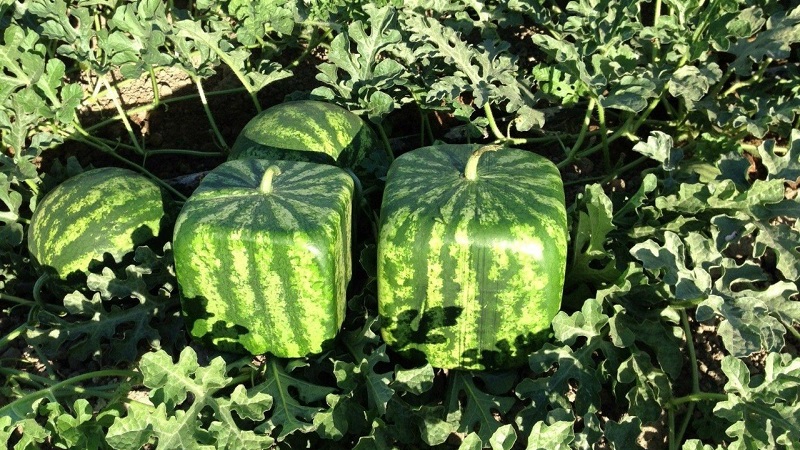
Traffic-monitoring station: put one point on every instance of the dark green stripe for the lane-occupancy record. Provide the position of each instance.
(513, 187)
(55, 237)
(311, 201)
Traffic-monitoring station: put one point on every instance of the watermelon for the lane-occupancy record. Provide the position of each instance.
(262, 256)
(471, 255)
(105, 211)
(313, 131)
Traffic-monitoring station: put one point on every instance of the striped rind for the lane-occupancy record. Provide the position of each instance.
(307, 130)
(470, 273)
(106, 210)
(266, 272)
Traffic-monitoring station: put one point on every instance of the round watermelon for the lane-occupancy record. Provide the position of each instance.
(311, 131)
(106, 211)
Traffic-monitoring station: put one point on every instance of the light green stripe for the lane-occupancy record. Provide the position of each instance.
(466, 335)
(193, 273)
(72, 234)
(280, 331)
(313, 290)
(526, 285)
(239, 282)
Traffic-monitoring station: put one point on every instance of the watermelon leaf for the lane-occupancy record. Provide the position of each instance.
(353, 377)
(479, 409)
(649, 386)
(764, 408)
(75, 429)
(416, 381)
(591, 262)
(378, 438)
(256, 17)
(291, 412)
(195, 387)
(625, 433)
(140, 37)
(774, 42)
(659, 146)
(253, 77)
(785, 165)
(504, 438)
(365, 78)
(332, 423)
(555, 436)
(752, 320)
(95, 322)
(669, 261)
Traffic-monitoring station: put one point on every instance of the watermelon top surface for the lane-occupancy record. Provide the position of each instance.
(106, 210)
(272, 265)
(471, 272)
(307, 130)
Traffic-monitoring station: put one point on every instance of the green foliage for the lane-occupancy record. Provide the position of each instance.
(694, 106)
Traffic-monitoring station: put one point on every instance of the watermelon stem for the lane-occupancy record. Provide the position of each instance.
(220, 139)
(99, 144)
(123, 116)
(492, 123)
(37, 288)
(385, 139)
(266, 180)
(14, 334)
(471, 171)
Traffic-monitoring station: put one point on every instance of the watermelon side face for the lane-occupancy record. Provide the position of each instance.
(100, 211)
(471, 272)
(266, 271)
(308, 130)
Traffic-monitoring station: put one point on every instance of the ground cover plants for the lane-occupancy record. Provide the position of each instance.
(676, 128)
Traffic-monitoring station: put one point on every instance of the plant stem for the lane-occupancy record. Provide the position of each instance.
(424, 127)
(587, 119)
(17, 300)
(750, 81)
(687, 331)
(492, 123)
(646, 113)
(721, 83)
(67, 385)
(471, 171)
(624, 130)
(656, 17)
(37, 289)
(601, 118)
(90, 140)
(673, 442)
(790, 328)
(14, 334)
(163, 151)
(704, 23)
(386, 145)
(198, 83)
(154, 84)
(234, 68)
(311, 46)
(183, 152)
(266, 181)
(122, 114)
(698, 397)
(625, 168)
(166, 101)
